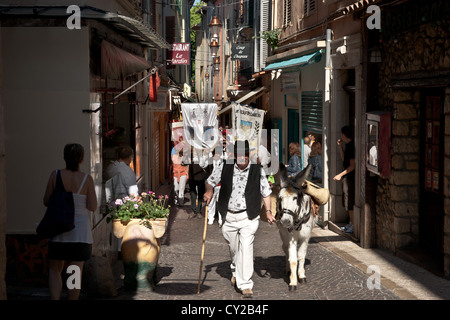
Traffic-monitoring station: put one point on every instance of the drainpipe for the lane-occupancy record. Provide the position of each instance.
(326, 123)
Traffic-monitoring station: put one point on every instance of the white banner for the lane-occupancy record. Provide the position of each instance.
(200, 124)
(248, 123)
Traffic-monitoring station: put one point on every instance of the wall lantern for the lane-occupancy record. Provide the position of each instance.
(216, 64)
(375, 55)
(214, 27)
(214, 45)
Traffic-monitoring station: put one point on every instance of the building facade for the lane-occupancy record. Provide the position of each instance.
(86, 81)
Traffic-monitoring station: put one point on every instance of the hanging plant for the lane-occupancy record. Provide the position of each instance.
(271, 37)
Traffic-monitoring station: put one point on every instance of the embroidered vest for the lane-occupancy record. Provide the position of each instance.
(252, 190)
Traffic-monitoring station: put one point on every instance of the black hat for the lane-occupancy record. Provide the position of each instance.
(241, 147)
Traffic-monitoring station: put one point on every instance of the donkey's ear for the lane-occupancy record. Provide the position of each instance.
(284, 180)
(298, 180)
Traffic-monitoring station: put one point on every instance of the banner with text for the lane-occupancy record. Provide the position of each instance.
(248, 123)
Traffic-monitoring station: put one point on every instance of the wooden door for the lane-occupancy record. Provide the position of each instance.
(431, 218)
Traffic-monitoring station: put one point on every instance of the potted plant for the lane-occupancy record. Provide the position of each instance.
(139, 220)
(271, 37)
(144, 208)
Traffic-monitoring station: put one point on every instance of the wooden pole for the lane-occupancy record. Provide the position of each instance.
(203, 249)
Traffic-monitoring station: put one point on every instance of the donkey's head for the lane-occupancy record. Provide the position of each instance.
(293, 206)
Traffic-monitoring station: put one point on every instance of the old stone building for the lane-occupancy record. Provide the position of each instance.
(413, 203)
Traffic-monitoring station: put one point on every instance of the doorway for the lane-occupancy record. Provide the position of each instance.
(431, 214)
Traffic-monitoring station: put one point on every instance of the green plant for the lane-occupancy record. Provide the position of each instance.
(144, 206)
(271, 37)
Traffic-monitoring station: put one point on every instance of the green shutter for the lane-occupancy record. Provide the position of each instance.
(312, 111)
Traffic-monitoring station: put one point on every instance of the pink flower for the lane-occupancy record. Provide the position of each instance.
(119, 202)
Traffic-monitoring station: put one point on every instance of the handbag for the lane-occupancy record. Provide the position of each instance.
(59, 216)
(319, 194)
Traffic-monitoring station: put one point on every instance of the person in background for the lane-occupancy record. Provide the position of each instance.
(307, 143)
(315, 159)
(294, 164)
(180, 174)
(264, 154)
(121, 168)
(74, 246)
(348, 175)
(217, 159)
(197, 178)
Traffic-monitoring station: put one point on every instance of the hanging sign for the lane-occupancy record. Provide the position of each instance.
(240, 51)
(180, 53)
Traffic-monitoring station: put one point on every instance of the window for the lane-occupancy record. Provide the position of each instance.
(287, 12)
(309, 6)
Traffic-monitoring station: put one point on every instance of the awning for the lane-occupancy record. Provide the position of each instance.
(135, 29)
(252, 95)
(296, 62)
(117, 63)
(140, 31)
(248, 98)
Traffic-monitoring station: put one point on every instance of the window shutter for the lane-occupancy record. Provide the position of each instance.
(256, 40)
(170, 29)
(287, 12)
(312, 111)
(309, 6)
(265, 19)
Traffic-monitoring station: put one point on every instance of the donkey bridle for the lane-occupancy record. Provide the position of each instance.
(297, 222)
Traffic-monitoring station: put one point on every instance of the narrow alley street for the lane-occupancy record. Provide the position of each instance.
(336, 268)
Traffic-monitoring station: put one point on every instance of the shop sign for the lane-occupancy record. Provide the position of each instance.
(240, 51)
(180, 53)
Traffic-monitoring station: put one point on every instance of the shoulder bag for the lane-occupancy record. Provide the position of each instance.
(59, 217)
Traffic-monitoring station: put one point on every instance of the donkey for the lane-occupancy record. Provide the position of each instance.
(295, 220)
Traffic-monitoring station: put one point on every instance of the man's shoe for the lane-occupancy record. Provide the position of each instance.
(247, 293)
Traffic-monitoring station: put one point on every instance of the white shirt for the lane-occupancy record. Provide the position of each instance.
(240, 178)
(306, 153)
(264, 156)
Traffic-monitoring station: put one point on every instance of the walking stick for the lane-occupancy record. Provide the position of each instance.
(203, 249)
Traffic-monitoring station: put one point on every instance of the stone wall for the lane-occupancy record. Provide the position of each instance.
(398, 208)
(423, 50)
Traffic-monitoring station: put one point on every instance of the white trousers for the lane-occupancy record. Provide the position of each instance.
(239, 233)
(213, 205)
(179, 186)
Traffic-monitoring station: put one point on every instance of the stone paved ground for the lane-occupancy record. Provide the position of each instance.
(328, 275)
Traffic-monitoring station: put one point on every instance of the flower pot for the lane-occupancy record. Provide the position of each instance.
(159, 225)
(118, 228)
(140, 252)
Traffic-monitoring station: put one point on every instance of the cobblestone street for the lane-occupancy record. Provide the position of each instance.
(328, 275)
